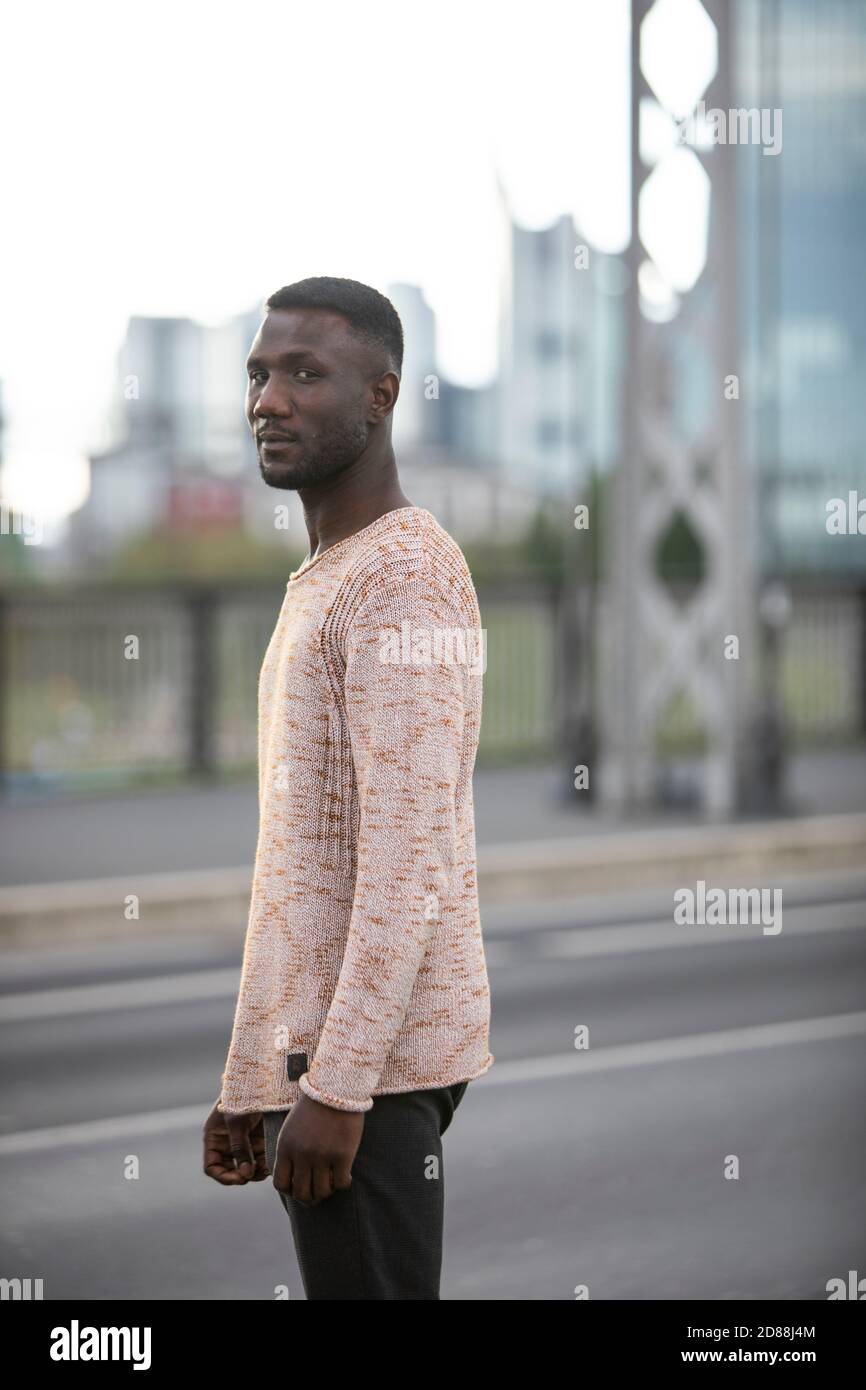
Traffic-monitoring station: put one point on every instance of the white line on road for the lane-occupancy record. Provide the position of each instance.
(501, 953)
(580, 943)
(148, 992)
(685, 1049)
(512, 1073)
(103, 1131)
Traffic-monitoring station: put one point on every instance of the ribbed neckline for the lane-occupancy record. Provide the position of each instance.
(387, 517)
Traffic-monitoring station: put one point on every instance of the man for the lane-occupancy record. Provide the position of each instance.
(364, 1004)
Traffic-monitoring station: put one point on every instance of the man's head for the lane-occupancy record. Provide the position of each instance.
(323, 376)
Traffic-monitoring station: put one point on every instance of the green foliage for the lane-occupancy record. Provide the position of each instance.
(679, 553)
(17, 560)
(217, 553)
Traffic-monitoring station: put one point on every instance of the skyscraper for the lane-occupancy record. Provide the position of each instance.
(803, 218)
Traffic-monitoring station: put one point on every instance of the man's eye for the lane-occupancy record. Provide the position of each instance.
(253, 375)
(308, 369)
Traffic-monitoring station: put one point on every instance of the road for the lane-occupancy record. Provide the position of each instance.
(603, 1167)
(52, 838)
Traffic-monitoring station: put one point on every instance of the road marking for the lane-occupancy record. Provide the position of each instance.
(148, 992)
(501, 952)
(510, 1073)
(685, 1049)
(577, 943)
(105, 1131)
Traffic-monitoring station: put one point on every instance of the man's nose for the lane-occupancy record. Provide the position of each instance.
(272, 401)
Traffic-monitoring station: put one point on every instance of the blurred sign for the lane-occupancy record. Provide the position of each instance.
(199, 503)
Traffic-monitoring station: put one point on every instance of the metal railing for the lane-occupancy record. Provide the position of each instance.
(79, 699)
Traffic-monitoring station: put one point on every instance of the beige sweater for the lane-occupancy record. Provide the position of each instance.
(364, 969)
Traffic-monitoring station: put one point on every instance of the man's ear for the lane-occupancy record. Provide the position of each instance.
(385, 393)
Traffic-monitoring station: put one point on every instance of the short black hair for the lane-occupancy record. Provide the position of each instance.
(371, 315)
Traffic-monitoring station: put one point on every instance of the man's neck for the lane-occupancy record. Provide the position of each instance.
(331, 519)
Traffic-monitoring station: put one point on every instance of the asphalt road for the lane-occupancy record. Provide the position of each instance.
(603, 1167)
(53, 838)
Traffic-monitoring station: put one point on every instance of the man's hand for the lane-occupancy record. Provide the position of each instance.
(234, 1148)
(315, 1151)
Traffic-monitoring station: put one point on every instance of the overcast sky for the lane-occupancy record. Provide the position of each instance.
(189, 158)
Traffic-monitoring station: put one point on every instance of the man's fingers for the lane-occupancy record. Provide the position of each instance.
(243, 1161)
(241, 1148)
(322, 1182)
(302, 1184)
(262, 1168)
(218, 1164)
(227, 1177)
(283, 1169)
(234, 1148)
(257, 1138)
(342, 1174)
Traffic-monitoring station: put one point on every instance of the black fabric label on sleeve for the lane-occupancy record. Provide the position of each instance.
(296, 1065)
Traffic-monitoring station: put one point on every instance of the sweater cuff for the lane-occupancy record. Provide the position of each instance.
(325, 1098)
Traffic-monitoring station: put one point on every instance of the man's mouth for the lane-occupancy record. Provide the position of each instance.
(275, 444)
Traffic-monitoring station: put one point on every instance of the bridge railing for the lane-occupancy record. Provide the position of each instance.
(119, 685)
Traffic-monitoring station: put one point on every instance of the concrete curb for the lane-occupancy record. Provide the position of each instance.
(742, 853)
(745, 855)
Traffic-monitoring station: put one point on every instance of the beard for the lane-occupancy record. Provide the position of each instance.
(324, 455)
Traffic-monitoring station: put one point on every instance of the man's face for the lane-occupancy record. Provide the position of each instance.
(309, 393)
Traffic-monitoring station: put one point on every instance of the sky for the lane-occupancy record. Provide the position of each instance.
(189, 158)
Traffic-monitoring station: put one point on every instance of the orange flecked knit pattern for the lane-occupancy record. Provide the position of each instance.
(364, 970)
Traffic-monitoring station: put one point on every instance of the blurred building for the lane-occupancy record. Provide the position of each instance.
(433, 413)
(184, 456)
(471, 501)
(803, 215)
(183, 447)
(561, 352)
(468, 419)
(415, 417)
(480, 456)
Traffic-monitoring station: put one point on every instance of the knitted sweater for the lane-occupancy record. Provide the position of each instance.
(364, 970)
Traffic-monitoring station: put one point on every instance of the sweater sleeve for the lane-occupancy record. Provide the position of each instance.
(405, 715)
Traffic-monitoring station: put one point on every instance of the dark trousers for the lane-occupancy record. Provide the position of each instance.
(381, 1238)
